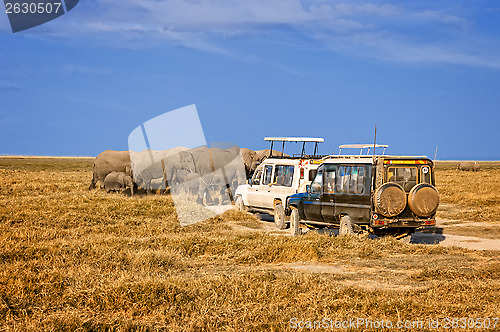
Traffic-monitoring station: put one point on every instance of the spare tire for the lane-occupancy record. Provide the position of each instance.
(390, 199)
(423, 200)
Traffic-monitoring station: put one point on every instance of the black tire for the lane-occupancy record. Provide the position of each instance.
(294, 222)
(345, 226)
(279, 216)
(423, 200)
(390, 199)
(240, 205)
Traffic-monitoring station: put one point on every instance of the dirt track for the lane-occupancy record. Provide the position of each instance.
(441, 234)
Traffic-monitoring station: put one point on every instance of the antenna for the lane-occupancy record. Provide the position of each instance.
(374, 141)
(436, 153)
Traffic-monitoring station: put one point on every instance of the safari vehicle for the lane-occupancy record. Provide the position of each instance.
(277, 178)
(379, 194)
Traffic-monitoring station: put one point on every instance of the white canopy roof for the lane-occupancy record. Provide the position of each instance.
(362, 146)
(294, 139)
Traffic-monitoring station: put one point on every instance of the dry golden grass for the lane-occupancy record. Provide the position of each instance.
(473, 196)
(73, 259)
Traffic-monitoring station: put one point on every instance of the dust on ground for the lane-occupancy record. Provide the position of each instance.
(447, 232)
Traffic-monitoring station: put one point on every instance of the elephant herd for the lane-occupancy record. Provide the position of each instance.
(194, 171)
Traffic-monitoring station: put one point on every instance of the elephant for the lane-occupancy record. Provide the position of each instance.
(151, 167)
(464, 166)
(266, 153)
(468, 166)
(109, 161)
(218, 168)
(118, 181)
(190, 185)
(250, 160)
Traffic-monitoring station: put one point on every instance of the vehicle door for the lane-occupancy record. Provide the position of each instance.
(266, 191)
(281, 186)
(254, 190)
(328, 195)
(352, 192)
(312, 203)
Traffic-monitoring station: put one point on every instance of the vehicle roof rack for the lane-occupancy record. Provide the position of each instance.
(303, 140)
(363, 146)
(295, 139)
(364, 156)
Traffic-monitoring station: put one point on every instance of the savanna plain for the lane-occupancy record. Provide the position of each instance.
(78, 260)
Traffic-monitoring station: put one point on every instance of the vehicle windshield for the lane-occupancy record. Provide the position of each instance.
(317, 183)
(256, 176)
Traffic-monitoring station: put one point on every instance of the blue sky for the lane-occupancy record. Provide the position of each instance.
(427, 73)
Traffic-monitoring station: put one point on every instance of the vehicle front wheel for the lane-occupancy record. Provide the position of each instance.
(279, 216)
(345, 226)
(240, 205)
(294, 222)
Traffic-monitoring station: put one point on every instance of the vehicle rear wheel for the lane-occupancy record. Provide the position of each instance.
(279, 216)
(294, 222)
(423, 200)
(345, 226)
(390, 199)
(240, 205)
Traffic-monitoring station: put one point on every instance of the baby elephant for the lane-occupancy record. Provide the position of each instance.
(118, 181)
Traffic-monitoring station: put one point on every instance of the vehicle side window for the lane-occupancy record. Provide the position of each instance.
(351, 179)
(425, 174)
(268, 172)
(256, 177)
(283, 175)
(312, 174)
(329, 185)
(317, 183)
(288, 179)
(343, 179)
(357, 179)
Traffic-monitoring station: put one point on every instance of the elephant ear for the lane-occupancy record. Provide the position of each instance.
(121, 178)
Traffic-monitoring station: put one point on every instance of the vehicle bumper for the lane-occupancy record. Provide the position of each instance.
(406, 223)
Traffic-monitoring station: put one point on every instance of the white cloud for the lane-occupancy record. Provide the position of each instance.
(192, 40)
(370, 29)
(97, 27)
(439, 16)
(8, 85)
(396, 48)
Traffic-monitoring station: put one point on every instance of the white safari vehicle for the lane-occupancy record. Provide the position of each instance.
(279, 177)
